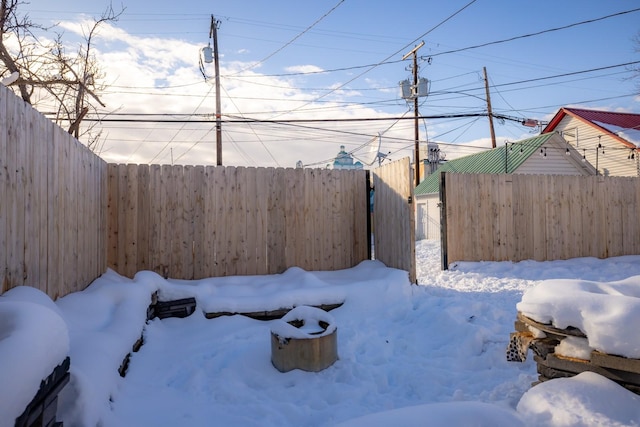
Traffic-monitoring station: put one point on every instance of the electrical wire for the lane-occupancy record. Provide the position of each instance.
(252, 129)
(181, 128)
(510, 39)
(271, 55)
(390, 56)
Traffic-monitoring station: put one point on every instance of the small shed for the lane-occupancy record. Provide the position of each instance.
(544, 154)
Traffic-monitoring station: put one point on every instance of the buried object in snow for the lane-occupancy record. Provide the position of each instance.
(306, 339)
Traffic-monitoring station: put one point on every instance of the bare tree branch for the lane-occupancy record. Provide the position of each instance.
(71, 81)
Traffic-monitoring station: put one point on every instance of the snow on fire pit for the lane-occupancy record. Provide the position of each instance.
(305, 338)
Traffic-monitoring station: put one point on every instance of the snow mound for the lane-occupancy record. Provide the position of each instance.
(441, 415)
(606, 312)
(33, 341)
(588, 400)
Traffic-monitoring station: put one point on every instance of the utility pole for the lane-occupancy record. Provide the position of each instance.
(416, 157)
(486, 88)
(213, 33)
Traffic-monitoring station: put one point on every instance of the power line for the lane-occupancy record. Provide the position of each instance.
(293, 39)
(386, 62)
(393, 54)
(280, 121)
(568, 74)
(564, 27)
(176, 134)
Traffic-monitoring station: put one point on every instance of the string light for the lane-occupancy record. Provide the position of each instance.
(632, 155)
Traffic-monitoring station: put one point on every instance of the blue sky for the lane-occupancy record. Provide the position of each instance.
(266, 47)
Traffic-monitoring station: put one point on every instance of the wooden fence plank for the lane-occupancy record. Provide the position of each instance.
(155, 208)
(251, 221)
(178, 223)
(70, 217)
(338, 224)
(198, 222)
(29, 172)
(143, 219)
(222, 216)
(261, 221)
(600, 201)
(300, 234)
(187, 220)
(15, 214)
(56, 275)
(4, 186)
(83, 201)
(277, 222)
(613, 215)
(507, 219)
(290, 227)
(328, 244)
(113, 199)
(166, 220)
(210, 222)
(588, 241)
(240, 223)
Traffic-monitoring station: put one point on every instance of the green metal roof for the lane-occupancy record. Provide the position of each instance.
(490, 161)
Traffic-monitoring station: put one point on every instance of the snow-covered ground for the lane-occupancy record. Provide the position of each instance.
(431, 354)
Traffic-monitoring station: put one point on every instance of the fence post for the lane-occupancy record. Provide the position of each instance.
(444, 256)
(368, 187)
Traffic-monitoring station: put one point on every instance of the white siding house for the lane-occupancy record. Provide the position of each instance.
(608, 140)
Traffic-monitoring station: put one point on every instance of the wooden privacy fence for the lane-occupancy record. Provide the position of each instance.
(52, 215)
(394, 217)
(191, 222)
(65, 215)
(540, 217)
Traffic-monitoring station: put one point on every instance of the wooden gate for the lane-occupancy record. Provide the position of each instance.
(394, 217)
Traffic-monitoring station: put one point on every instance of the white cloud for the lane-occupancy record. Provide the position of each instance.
(303, 69)
(151, 75)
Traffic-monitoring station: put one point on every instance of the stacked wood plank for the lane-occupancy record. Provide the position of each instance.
(622, 370)
(42, 410)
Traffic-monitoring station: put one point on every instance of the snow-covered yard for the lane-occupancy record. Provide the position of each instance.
(407, 354)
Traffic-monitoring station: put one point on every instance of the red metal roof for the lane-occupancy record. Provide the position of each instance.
(593, 117)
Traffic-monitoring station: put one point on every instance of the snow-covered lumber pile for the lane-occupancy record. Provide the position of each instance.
(573, 326)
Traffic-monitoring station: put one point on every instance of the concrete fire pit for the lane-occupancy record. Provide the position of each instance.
(306, 339)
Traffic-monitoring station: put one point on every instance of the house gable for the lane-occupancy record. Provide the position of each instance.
(613, 124)
(600, 137)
